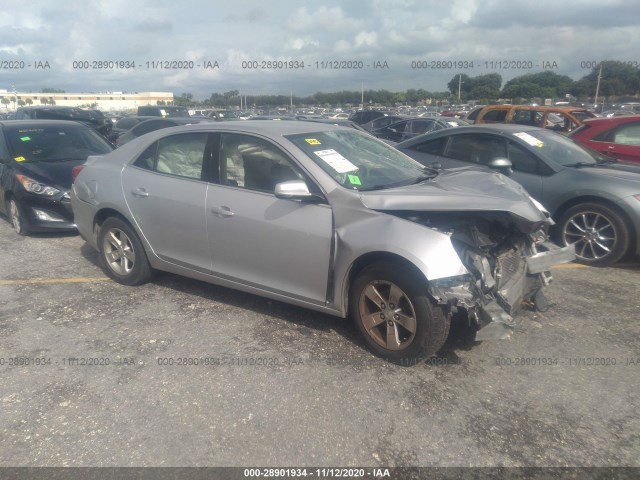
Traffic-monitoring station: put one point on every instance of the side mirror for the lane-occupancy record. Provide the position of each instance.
(503, 165)
(295, 190)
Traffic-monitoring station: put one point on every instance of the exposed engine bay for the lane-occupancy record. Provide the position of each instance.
(506, 269)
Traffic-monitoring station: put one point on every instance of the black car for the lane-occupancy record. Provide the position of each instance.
(412, 127)
(163, 111)
(594, 200)
(92, 118)
(364, 116)
(36, 160)
(124, 124)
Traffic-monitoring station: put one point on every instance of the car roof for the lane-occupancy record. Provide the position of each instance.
(549, 108)
(493, 128)
(273, 128)
(613, 120)
(40, 123)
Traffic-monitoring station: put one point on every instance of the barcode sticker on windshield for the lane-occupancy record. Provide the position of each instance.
(336, 161)
(530, 139)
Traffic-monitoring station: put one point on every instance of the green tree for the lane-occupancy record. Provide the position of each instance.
(618, 78)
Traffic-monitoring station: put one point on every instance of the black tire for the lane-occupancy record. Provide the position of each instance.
(122, 254)
(600, 234)
(401, 305)
(16, 217)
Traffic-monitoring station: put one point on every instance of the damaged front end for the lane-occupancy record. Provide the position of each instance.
(508, 261)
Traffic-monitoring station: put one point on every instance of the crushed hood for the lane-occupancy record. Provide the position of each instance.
(464, 189)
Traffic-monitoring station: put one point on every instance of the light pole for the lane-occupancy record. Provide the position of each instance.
(459, 86)
(595, 100)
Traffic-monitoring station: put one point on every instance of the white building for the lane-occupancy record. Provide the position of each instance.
(107, 101)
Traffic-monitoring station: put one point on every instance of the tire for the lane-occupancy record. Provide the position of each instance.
(17, 217)
(123, 256)
(599, 234)
(403, 331)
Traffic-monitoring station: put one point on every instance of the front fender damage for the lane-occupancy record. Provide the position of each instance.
(508, 269)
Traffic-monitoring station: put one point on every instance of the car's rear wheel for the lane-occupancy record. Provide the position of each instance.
(599, 233)
(390, 306)
(16, 215)
(122, 253)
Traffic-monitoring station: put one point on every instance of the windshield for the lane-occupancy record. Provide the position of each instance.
(558, 148)
(52, 143)
(358, 161)
(174, 112)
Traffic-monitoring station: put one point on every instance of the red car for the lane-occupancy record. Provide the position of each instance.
(617, 137)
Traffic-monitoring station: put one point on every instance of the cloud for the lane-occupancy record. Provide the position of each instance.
(397, 31)
(322, 19)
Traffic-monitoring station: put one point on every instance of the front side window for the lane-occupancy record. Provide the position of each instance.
(522, 160)
(476, 148)
(253, 163)
(434, 147)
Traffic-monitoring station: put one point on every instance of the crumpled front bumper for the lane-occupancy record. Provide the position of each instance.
(555, 255)
(493, 299)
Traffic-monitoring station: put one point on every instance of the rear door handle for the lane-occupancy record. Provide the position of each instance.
(222, 211)
(140, 192)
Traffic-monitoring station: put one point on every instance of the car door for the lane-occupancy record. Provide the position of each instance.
(165, 189)
(481, 148)
(622, 142)
(257, 239)
(527, 169)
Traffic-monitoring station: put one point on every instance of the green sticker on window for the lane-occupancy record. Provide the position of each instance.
(25, 139)
(355, 180)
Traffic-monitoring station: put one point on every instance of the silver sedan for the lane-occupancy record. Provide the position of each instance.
(322, 217)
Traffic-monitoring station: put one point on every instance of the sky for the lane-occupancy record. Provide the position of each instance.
(343, 45)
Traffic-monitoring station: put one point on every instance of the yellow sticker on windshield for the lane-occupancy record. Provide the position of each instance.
(312, 141)
(19, 159)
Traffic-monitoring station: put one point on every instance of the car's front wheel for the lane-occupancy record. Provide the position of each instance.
(599, 233)
(122, 253)
(391, 308)
(16, 215)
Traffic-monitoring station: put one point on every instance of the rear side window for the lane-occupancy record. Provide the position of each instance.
(628, 134)
(179, 155)
(497, 116)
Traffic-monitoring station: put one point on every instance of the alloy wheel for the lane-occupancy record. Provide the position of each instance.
(592, 233)
(387, 314)
(118, 252)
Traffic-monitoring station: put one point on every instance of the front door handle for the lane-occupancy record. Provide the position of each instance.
(222, 211)
(140, 192)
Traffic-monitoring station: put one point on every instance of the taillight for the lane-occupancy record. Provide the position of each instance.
(75, 171)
